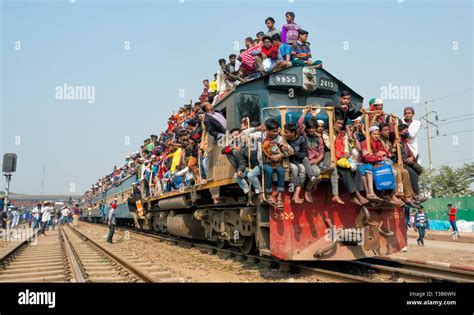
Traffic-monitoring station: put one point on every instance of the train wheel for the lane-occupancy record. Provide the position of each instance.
(249, 245)
(220, 243)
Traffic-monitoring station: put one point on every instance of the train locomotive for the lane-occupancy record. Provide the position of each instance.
(321, 230)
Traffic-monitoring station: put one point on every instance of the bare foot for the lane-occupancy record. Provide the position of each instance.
(338, 200)
(363, 200)
(356, 201)
(297, 200)
(373, 197)
(309, 197)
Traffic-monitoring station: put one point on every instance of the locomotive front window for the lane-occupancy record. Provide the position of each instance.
(249, 105)
(313, 100)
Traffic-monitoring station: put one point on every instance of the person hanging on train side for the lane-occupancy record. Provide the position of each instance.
(274, 154)
(409, 161)
(348, 111)
(370, 160)
(312, 130)
(413, 129)
(214, 121)
(349, 174)
(403, 188)
(246, 167)
(299, 162)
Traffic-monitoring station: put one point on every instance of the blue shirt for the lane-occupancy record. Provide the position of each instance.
(284, 50)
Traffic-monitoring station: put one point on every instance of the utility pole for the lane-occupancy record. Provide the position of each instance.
(428, 133)
(430, 157)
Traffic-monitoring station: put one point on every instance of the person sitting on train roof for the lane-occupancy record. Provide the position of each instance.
(215, 122)
(371, 159)
(220, 81)
(259, 38)
(272, 30)
(213, 85)
(298, 158)
(403, 189)
(248, 60)
(301, 52)
(289, 31)
(234, 75)
(205, 94)
(312, 130)
(267, 56)
(274, 153)
(351, 177)
(283, 59)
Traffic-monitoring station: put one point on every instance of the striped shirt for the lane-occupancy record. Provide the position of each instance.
(247, 58)
(421, 219)
(301, 51)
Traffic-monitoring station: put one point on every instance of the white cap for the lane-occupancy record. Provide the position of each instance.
(378, 102)
(373, 128)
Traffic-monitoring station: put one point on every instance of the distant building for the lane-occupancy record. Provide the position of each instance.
(30, 201)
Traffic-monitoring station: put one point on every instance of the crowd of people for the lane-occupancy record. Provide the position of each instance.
(308, 151)
(173, 159)
(177, 157)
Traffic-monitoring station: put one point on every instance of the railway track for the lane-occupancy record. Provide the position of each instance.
(67, 255)
(323, 275)
(370, 270)
(416, 272)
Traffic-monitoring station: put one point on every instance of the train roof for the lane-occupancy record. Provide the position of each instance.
(342, 85)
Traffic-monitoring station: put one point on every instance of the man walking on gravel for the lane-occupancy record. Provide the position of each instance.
(111, 222)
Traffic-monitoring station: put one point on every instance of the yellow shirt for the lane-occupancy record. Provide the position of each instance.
(176, 160)
(212, 86)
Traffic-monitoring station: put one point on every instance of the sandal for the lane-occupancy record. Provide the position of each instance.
(280, 204)
(271, 201)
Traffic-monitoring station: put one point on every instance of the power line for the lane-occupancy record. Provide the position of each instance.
(445, 96)
(452, 117)
(451, 122)
(447, 134)
(455, 121)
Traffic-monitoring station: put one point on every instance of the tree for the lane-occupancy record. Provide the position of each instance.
(449, 182)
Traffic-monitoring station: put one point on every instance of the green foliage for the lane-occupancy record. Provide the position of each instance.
(448, 181)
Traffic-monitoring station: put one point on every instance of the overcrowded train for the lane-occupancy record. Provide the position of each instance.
(218, 210)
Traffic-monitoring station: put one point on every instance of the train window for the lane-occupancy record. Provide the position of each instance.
(276, 100)
(323, 115)
(249, 105)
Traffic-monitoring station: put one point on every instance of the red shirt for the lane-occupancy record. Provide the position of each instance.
(452, 214)
(271, 53)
